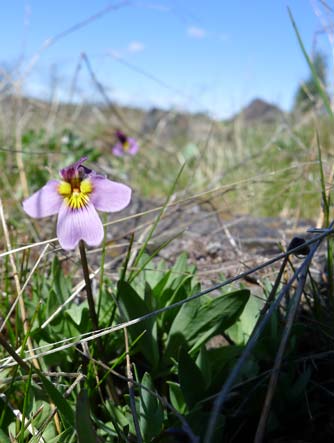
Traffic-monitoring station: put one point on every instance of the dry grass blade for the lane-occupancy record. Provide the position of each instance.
(18, 286)
(34, 268)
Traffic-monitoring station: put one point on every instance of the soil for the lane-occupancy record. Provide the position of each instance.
(215, 245)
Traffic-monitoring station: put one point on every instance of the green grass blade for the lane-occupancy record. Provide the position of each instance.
(156, 222)
(323, 183)
(311, 65)
(25, 406)
(155, 253)
(84, 425)
(326, 209)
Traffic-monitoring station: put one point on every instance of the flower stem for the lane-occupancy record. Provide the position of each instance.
(93, 314)
(89, 292)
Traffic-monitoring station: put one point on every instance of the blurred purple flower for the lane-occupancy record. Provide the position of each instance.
(125, 145)
(75, 198)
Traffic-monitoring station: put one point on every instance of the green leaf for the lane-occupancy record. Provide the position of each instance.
(121, 420)
(221, 360)
(156, 276)
(64, 437)
(151, 412)
(84, 425)
(3, 437)
(243, 327)
(78, 313)
(173, 295)
(176, 397)
(61, 284)
(201, 318)
(159, 287)
(133, 306)
(202, 363)
(191, 379)
(180, 270)
(64, 408)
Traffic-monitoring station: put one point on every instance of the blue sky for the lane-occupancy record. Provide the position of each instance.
(207, 55)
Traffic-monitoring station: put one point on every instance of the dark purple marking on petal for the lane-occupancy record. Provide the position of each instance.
(121, 137)
(75, 170)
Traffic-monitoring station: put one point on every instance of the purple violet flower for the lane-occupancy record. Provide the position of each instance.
(75, 198)
(125, 145)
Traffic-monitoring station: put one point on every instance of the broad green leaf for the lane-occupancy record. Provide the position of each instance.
(64, 408)
(157, 274)
(75, 312)
(133, 306)
(201, 318)
(84, 426)
(221, 360)
(3, 437)
(53, 302)
(176, 397)
(191, 379)
(173, 295)
(148, 297)
(159, 287)
(121, 419)
(64, 437)
(243, 327)
(61, 284)
(202, 362)
(151, 412)
(180, 270)
(41, 420)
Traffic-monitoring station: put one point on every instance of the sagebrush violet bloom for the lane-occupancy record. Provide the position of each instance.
(125, 145)
(75, 198)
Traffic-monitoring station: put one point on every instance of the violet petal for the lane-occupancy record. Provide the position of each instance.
(44, 202)
(133, 149)
(79, 224)
(109, 196)
(118, 150)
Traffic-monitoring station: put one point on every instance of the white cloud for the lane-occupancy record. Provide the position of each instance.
(135, 46)
(195, 32)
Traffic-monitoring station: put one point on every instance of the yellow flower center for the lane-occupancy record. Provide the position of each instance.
(76, 192)
(126, 146)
